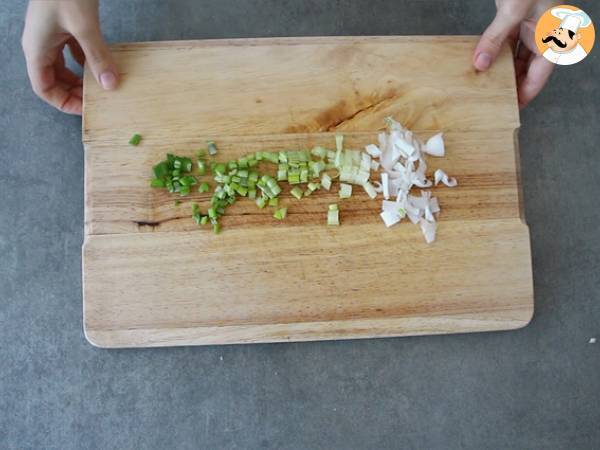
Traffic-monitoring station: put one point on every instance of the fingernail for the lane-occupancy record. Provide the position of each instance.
(108, 80)
(483, 61)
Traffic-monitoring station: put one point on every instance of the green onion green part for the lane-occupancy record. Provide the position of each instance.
(135, 139)
(280, 213)
(212, 148)
(296, 192)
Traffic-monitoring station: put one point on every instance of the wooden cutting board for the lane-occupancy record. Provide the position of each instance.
(151, 277)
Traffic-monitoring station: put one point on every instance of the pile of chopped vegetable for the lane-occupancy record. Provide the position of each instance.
(398, 159)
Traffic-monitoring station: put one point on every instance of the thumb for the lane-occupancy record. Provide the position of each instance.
(491, 41)
(99, 58)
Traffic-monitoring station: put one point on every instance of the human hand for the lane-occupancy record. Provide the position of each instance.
(515, 22)
(50, 25)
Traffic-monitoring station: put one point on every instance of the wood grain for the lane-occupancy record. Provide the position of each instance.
(152, 278)
(246, 279)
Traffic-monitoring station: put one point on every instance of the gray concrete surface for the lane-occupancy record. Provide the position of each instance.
(536, 388)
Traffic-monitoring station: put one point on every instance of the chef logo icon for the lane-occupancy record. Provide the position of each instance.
(564, 35)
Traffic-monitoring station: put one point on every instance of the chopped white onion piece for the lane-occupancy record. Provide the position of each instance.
(429, 215)
(374, 165)
(434, 206)
(435, 145)
(373, 150)
(385, 184)
(365, 166)
(369, 189)
(389, 218)
(440, 175)
(418, 202)
(428, 229)
(403, 146)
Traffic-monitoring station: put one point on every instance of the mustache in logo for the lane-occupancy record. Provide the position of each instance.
(555, 40)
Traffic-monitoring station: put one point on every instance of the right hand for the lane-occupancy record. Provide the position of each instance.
(49, 26)
(515, 21)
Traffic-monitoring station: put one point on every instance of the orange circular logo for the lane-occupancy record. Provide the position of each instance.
(565, 35)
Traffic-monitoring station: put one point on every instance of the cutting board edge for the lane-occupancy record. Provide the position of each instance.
(290, 40)
(516, 318)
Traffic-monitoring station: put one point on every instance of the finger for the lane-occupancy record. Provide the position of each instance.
(68, 76)
(64, 74)
(533, 81)
(45, 85)
(522, 57)
(76, 51)
(527, 36)
(99, 58)
(493, 37)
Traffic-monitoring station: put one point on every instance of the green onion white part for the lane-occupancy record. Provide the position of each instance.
(345, 190)
(333, 215)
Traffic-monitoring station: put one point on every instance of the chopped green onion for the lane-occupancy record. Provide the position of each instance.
(157, 183)
(212, 148)
(261, 202)
(188, 180)
(204, 187)
(203, 220)
(319, 152)
(161, 170)
(333, 207)
(184, 190)
(252, 193)
(333, 217)
(339, 142)
(345, 190)
(313, 186)
(326, 181)
(201, 167)
(259, 156)
(135, 139)
(212, 212)
(243, 163)
(201, 154)
(242, 191)
(242, 173)
(252, 162)
(296, 192)
(280, 214)
(271, 157)
(303, 175)
(216, 228)
(276, 190)
(232, 165)
(195, 208)
(317, 168)
(220, 169)
(273, 201)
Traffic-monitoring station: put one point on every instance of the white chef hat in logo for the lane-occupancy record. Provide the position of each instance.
(571, 20)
